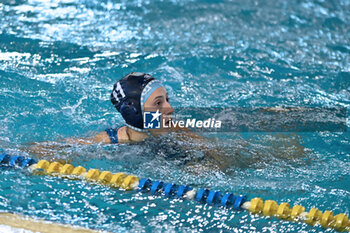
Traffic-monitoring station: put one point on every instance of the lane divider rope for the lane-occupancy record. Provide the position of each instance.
(124, 181)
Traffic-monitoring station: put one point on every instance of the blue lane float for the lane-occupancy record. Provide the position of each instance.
(19, 161)
(256, 205)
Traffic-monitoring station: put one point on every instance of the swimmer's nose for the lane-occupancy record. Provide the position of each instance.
(168, 109)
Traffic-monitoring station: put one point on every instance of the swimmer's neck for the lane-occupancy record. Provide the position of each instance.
(135, 136)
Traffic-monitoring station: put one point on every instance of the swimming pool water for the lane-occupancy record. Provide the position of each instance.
(59, 60)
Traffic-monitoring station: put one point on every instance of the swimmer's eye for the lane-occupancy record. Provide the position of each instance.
(167, 99)
(158, 103)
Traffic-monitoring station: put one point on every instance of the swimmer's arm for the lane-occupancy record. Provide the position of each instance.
(48, 149)
(101, 137)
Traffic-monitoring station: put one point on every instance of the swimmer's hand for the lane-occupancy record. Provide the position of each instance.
(45, 150)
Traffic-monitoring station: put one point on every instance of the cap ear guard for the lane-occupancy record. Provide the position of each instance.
(131, 114)
(126, 98)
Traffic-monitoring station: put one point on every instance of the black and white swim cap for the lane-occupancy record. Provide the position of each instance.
(130, 94)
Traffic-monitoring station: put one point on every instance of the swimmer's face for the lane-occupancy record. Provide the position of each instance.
(159, 100)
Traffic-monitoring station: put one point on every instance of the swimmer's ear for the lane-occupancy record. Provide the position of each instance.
(128, 108)
(131, 113)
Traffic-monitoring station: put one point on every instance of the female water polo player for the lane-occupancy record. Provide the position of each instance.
(134, 94)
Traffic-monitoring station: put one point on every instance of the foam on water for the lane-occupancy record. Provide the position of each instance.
(59, 60)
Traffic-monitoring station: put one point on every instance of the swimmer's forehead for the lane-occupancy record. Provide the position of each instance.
(160, 92)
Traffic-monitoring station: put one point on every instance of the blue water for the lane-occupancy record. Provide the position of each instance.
(59, 60)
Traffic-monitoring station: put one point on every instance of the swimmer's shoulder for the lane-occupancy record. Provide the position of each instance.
(123, 136)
